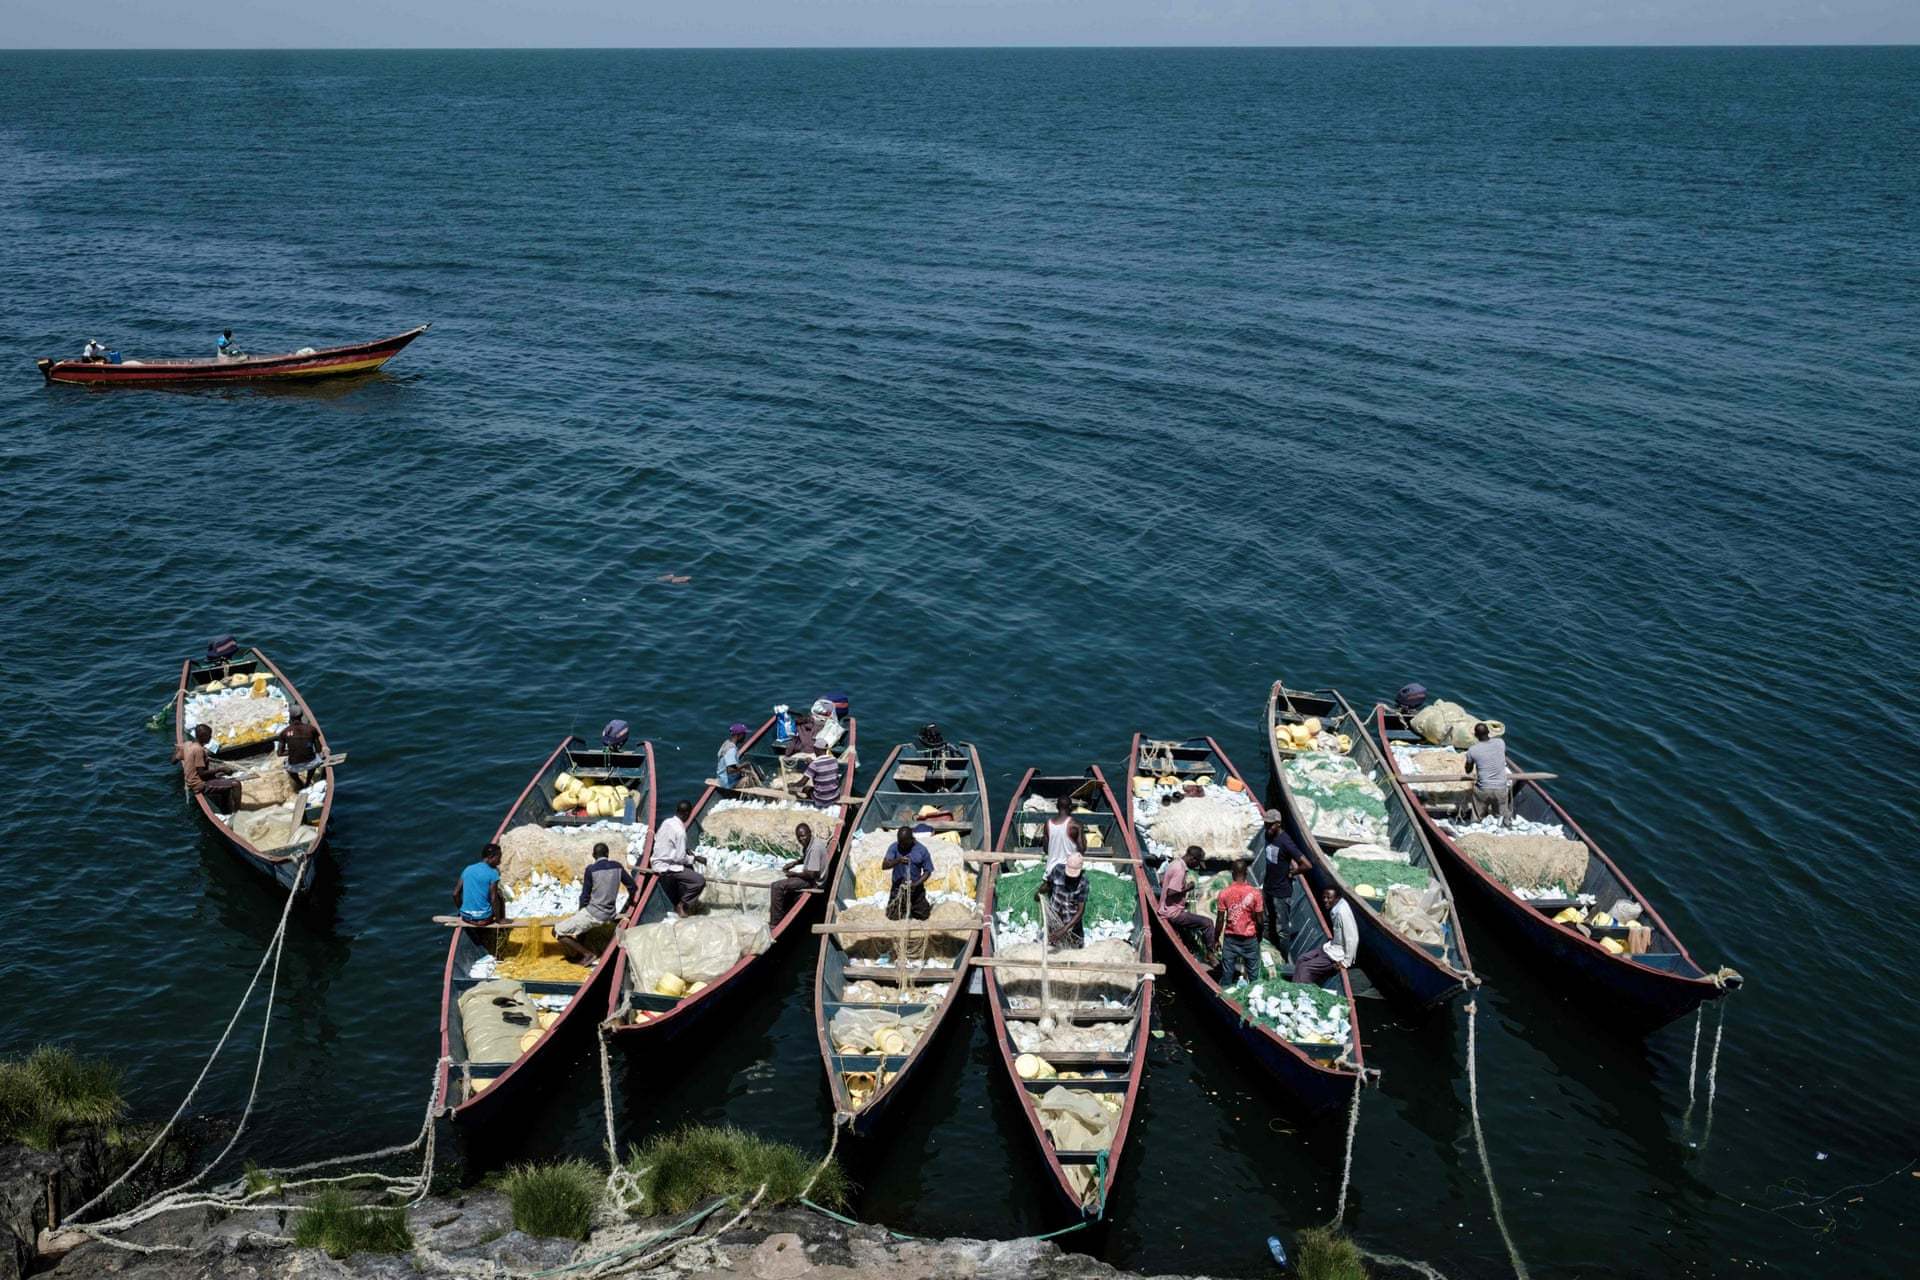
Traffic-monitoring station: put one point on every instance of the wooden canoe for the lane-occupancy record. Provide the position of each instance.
(1314, 1078)
(640, 1018)
(285, 856)
(1084, 1190)
(1633, 993)
(1422, 975)
(950, 779)
(472, 1090)
(326, 362)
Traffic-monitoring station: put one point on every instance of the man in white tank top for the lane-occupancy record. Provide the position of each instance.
(1064, 835)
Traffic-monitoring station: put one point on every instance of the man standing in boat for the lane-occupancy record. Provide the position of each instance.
(1065, 835)
(1064, 890)
(674, 864)
(206, 776)
(1492, 784)
(1280, 859)
(299, 742)
(1237, 917)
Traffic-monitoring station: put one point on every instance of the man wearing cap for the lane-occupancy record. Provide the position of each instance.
(729, 770)
(801, 875)
(1279, 860)
(1065, 891)
(299, 742)
(912, 866)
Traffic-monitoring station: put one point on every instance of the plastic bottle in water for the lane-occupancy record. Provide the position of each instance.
(1278, 1250)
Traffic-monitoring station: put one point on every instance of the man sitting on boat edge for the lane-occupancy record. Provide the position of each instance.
(1337, 952)
(477, 892)
(1174, 881)
(801, 875)
(600, 886)
(206, 776)
(671, 860)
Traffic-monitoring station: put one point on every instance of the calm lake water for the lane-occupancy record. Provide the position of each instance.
(1052, 395)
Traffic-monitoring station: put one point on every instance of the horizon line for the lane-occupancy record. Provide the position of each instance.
(929, 48)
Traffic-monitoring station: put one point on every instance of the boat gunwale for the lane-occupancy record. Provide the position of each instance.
(215, 368)
(838, 837)
(1199, 971)
(1143, 1011)
(1463, 974)
(955, 984)
(266, 858)
(1524, 909)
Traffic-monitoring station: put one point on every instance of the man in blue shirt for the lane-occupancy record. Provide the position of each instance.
(478, 891)
(912, 867)
(224, 348)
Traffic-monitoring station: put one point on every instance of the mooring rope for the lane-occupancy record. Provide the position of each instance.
(1693, 1064)
(1346, 1167)
(1480, 1141)
(1713, 1072)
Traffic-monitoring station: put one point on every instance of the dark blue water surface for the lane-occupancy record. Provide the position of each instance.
(1053, 395)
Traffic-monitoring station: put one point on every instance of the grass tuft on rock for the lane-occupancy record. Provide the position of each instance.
(681, 1170)
(53, 1091)
(1325, 1254)
(554, 1199)
(333, 1222)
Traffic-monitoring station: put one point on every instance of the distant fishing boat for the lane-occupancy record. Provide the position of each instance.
(1082, 1175)
(1419, 972)
(645, 1017)
(325, 362)
(477, 1074)
(936, 789)
(276, 825)
(1627, 991)
(1316, 1076)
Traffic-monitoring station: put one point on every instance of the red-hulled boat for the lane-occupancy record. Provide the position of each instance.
(326, 362)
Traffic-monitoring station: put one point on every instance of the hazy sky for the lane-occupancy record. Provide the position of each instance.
(594, 23)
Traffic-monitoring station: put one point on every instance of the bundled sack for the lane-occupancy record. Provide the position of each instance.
(496, 1017)
(276, 828)
(273, 787)
(864, 1031)
(1079, 1120)
(562, 852)
(1528, 862)
(1416, 915)
(1071, 985)
(1448, 724)
(692, 948)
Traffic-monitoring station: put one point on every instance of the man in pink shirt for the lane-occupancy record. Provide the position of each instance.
(1174, 880)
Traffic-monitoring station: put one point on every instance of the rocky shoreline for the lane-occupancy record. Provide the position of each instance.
(470, 1236)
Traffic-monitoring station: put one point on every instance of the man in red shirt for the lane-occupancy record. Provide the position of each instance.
(1237, 917)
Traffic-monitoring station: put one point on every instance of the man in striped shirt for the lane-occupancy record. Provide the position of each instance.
(823, 774)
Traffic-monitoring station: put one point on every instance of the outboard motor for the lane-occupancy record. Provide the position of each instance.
(222, 649)
(1410, 698)
(932, 739)
(614, 736)
(783, 726)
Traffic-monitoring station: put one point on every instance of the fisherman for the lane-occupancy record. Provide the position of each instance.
(823, 775)
(600, 885)
(1065, 835)
(299, 742)
(912, 867)
(93, 352)
(675, 865)
(1175, 880)
(1280, 860)
(801, 875)
(806, 737)
(224, 349)
(1492, 784)
(1065, 889)
(1236, 917)
(1336, 953)
(206, 776)
(729, 770)
(477, 892)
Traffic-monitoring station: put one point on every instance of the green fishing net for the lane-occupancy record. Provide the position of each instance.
(1109, 897)
(1335, 782)
(1381, 875)
(1324, 1001)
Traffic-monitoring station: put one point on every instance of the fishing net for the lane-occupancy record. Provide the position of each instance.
(278, 827)
(273, 787)
(1449, 724)
(1220, 821)
(1080, 1120)
(1111, 898)
(943, 947)
(1067, 1037)
(1380, 873)
(693, 948)
(1418, 916)
(1335, 797)
(867, 991)
(561, 852)
(531, 953)
(950, 874)
(865, 1031)
(1416, 762)
(1524, 861)
(1300, 1012)
(754, 824)
(1021, 984)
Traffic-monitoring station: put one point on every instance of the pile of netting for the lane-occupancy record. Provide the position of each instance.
(530, 953)
(1109, 1036)
(867, 991)
(1535, 859)
(1022, 984)
(1443, 762)
(1379, 868)
(1446, 723)
(242, 713)
(885, 1031)
(563, 852)
(1335, 797)
(1113, 905)
(947, 930)
(681, 954)
(1081, 1120)
(1295, 1011)
(1221, 820)
(763, 823)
